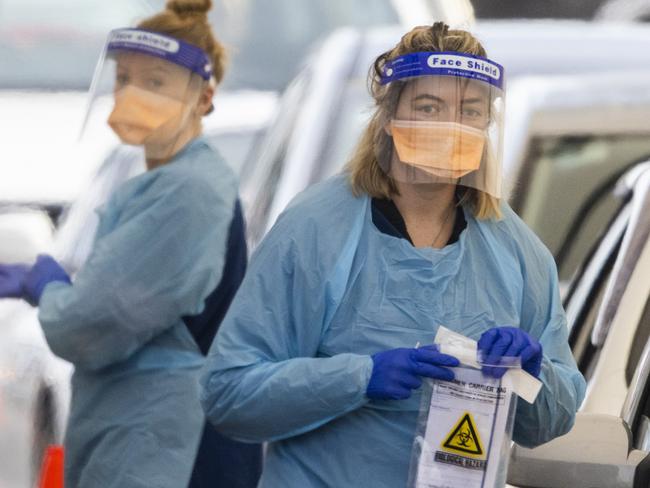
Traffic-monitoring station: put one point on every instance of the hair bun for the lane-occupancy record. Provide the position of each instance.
(186, 8)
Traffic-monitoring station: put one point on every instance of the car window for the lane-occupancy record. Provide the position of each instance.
(564, 171)
(587, 291)
(584, 351)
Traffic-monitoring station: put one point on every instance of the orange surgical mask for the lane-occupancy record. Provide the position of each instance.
(138, 113)
(443, 149)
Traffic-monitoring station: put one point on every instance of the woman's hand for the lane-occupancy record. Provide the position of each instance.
(45, 271)
(501, 342)
(12, 277)
(397, 372)
(28, 282)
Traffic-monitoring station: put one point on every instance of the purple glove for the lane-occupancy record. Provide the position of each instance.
(45, 271)
(12, 277)
(510, 342)
(397, 372)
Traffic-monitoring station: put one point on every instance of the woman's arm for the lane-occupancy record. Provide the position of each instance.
(160, 262)
(262, 380)
(553, 412)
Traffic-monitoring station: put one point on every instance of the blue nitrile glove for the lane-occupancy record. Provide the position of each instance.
(12, 277)
(397, 371)
(510, 342)
(45, 271)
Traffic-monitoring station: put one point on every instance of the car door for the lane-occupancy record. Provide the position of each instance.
(607, 301)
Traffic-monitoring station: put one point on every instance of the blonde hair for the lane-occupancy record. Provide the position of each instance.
(365, 169)
(187, 20)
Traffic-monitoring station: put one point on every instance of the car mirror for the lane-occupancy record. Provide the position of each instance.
(596, 453)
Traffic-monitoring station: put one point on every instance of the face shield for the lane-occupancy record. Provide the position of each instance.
(447, 121)
(146, 87)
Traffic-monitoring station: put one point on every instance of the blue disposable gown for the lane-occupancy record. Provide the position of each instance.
(325, 290)
(135, 418)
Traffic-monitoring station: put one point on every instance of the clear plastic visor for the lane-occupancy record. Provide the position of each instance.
(146, 101)
(445, 130)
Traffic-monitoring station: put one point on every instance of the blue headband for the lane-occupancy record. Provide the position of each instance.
(445, 63)
(164, 47)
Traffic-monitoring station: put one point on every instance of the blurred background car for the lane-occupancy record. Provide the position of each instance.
(624, 10)
(534, 9)
(33, 382)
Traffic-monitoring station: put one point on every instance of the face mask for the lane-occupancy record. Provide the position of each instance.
(139, 113)
(443, 149)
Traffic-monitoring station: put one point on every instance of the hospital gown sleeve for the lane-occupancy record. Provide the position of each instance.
(159, 262)
(263, 380)
(553, 412)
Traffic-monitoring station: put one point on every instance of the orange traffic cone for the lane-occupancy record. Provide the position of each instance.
(52, 469)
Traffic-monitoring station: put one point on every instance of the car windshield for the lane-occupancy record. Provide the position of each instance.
(57, 48)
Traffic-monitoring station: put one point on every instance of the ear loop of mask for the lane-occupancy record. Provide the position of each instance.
(213, 84)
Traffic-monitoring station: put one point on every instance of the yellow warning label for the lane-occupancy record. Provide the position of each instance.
(464, 438)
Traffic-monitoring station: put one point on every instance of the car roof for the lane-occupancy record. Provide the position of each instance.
(579, 104)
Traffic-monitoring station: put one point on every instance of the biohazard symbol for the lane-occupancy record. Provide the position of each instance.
(464, 437)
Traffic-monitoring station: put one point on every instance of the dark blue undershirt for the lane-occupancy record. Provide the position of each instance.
(220, 461)
(386, 217)
(205, 325)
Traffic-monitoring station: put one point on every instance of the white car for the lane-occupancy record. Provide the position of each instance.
(608, 309)
(33, 383)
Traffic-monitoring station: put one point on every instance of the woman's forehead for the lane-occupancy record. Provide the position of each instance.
(130, 60)
(446, 87)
